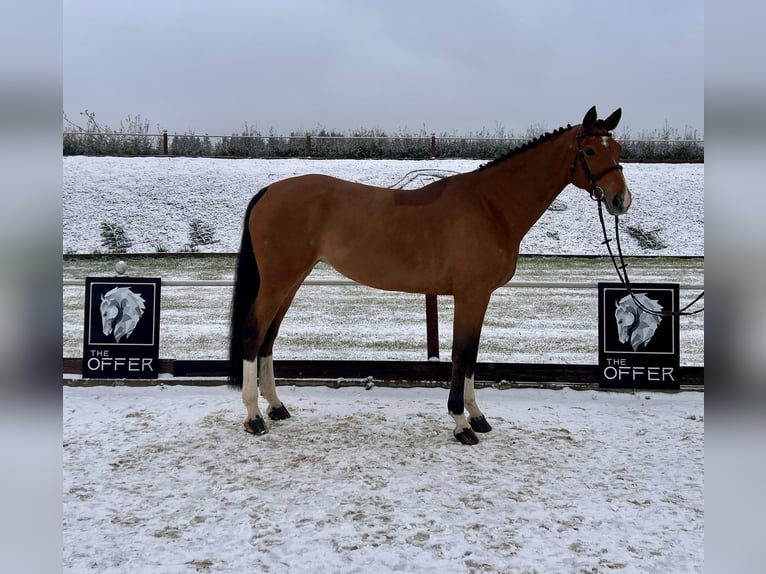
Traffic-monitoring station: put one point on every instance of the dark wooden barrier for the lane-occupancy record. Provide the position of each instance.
(413, 371)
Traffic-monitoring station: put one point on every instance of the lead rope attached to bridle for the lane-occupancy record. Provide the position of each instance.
(623, 275)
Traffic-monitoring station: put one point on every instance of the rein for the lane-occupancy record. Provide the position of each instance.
(623, 276)
(597, 193)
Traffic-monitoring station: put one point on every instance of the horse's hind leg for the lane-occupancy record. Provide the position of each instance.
(257, 324)
(276, 409)
(258, 368)
(254, 422)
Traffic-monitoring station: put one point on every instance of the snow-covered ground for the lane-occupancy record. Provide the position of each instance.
(163, 479)
(155, 199)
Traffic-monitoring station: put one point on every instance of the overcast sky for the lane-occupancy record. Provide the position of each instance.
(442, 66)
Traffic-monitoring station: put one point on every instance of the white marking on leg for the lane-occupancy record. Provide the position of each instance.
(461, 423)
(469, 394)
(250, 389)
(268, 385)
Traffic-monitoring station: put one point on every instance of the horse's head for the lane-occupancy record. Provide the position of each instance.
(109, 312)
(634, 323)
(626, 316)
(597, 166)
(121, 309)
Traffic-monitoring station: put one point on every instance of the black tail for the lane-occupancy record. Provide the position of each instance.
(247, 281)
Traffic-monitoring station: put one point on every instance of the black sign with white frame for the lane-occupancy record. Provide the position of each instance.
(122, 328)
(638, 349)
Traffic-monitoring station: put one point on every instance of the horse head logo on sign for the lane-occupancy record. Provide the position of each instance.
(634, 324)
(121, 310)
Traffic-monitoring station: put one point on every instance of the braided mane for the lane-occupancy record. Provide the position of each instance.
(525, 146)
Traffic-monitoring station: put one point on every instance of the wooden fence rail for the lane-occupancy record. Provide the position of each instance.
(433, 371)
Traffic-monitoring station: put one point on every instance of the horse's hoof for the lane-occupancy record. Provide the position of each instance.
(480, 424)
(256, 426)
(279, 413)
(467, 436)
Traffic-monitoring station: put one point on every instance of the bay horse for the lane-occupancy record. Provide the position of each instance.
(457, 236)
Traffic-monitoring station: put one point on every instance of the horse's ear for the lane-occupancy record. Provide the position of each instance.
(102, 297)
(589, 119)
(611, 122)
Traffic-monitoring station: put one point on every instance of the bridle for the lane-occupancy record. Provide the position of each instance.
(596, 191)
(598, 194)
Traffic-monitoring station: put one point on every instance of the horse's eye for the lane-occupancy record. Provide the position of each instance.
(590, 151)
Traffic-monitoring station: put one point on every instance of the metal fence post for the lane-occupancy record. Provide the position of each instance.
(433, 146)
(165, 142)
(308, 145)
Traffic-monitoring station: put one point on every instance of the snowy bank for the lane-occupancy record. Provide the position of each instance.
(156, 199)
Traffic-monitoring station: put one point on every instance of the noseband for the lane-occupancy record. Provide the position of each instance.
(596, 191)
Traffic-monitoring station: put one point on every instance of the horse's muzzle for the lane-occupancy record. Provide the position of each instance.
(619, 203)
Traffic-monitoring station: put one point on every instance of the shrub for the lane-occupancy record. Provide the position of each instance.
(114, 238)
(190, 145)
(200, 233)
(649, 240)
(133, 138)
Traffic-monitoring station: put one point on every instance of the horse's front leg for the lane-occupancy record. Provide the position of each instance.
(476, 418)
(465, 348)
